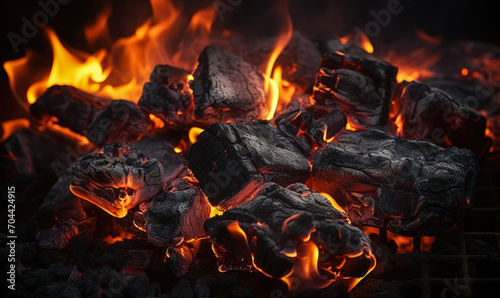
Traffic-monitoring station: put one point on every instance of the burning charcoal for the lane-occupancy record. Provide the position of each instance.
(59, 236)
(307, 132)
(233, 160)
(300, 61)
(179, 258)
(61, 202)
(363, 88)
(176, 215)
(31, 151)
(426, 113)
(73, 108)
(408, 187)
(117, 178)
(122, 121)
(226, 87)
(351, 49)
(278, 231)
(161, 147)
(167, 96)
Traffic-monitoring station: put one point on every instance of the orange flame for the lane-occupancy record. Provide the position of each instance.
(11, 126)
(405, 244)
(122, 71)
(332, 200)
(271, 82)
(366, 44)
(194, 132)
(305, 273)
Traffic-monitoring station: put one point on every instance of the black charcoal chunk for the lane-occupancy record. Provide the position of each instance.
(363, 88)
(408, 187)
(422, 112)
(117, 178)
(167, 96)
(233, 160)
(72, 107)
(271, 231)
(226, 87)
(122, 121)
(177, 215)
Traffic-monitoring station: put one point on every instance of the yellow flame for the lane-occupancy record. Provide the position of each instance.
(194, 132)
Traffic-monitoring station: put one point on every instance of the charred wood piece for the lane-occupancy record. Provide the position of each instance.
(363, 88)
(59, 236)
(427, 113)
(72, 107)
(300, 61)
(232, 160)
(121, 121)
(268, 232)
(167, 96)
(179, 258)
(177, 215)
(29, 151)
(307, 132)
(226, 87)
(406, 186)
(117, 178)
(160, 146)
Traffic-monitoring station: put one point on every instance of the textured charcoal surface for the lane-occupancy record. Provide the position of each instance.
(167, 96)
(428, 113)
(73, 108)
(160, 146)
(276, 223)
(117, 178)
(121, 121)
(406, 186)
(232, 160)
(177, 215)
(362, 88)
(307, 129)
(61, 234)
(300, 61)
(61, 202)
(30, 151)
(179, 258)
(226, 87)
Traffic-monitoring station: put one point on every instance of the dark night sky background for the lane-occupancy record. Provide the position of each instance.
(459, 19)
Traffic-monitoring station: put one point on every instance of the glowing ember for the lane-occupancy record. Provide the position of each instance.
(334, 203)
(11, 126)
(194, 132)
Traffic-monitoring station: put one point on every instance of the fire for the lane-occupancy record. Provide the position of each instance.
(415, 64)
(348, 126)
(214, 212)
(158, 123)
(366, 44)
(11, 126)
(194, 132)
(360, 39)
(356, 281)
(273, 82)
(305, 273)
(334, 203)
(121, 70)
(399, 124)
(405, 244)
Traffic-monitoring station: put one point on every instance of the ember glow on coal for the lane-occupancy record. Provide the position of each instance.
(183, 160)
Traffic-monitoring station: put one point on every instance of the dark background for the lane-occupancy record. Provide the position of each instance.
(459, 19)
